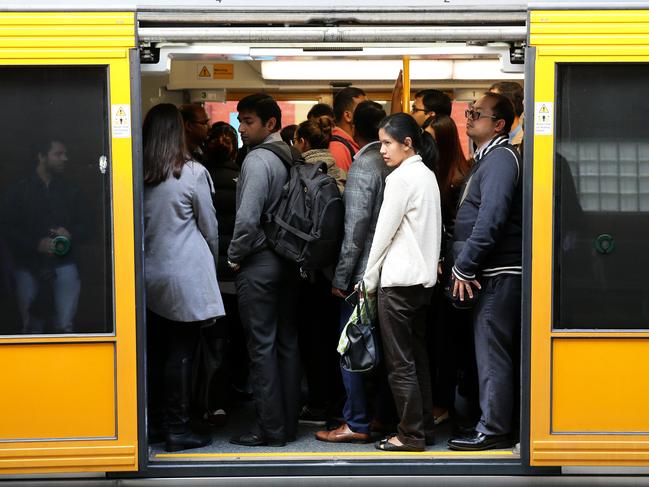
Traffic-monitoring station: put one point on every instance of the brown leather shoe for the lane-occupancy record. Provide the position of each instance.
(342, 435)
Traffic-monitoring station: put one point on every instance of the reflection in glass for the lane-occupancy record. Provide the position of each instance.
(55, 246)
(601, 198)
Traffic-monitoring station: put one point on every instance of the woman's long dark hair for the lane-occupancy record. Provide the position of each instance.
(402, 125)
(163, 136)
(452, 166)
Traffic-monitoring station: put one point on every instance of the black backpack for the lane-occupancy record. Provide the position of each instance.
(308, 225)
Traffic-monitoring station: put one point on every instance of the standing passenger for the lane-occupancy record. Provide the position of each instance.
(489, 222)
(342, 145)
(197, 124)
(181, 251)
(320, 110)
(312, 141)
(403, 266)
(514, 93)
(363, 197)
(266, 283)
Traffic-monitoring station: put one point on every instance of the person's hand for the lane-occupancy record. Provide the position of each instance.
(398, 84)
(440, 268)
(44, 246)
(338, 292)
(61, 231)
(460, 287)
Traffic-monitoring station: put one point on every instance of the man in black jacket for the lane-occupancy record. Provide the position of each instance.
(489, 225)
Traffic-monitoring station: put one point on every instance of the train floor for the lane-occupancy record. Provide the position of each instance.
(306, 447)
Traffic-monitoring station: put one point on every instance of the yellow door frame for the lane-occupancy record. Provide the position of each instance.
(44, 435)
(566, 366)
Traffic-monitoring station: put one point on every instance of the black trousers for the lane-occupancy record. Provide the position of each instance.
(402, 318)
(497, 326)
(266, 288)
(170, 351)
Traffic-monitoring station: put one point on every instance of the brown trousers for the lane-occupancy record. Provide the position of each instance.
(402, 319)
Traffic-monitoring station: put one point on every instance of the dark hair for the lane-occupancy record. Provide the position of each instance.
(188, 111)
(287, 133)
(513, 91)
(163, 137)
(224, 128)
(316, 132)
(320, 110)
(435, 101)
(502, 109)
(344, 101)
(43, 145)
(451, 159)
(264, 106)
(367, 117)
(401, 125)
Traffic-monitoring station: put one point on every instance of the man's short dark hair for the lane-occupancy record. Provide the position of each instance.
(344, 101)
(435, 101)
(320, 110)
(367, 117)
(189, 111)
(262, 105)
(502, 109)
(513, 91)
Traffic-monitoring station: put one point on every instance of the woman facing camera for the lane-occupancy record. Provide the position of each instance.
(403, 267)
(180, 252)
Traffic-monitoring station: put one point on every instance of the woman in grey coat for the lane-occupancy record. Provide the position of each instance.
(182, 293)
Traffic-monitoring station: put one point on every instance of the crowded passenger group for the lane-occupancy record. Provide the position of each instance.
(430, 236)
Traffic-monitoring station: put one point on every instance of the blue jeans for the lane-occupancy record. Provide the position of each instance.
(66, 288)
(355, 409)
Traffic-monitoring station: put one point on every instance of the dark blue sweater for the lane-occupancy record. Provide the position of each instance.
(489, 218)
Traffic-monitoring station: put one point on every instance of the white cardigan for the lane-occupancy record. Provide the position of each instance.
(406, 245)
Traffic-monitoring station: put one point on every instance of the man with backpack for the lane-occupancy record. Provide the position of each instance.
(342, 145)
(265, 282)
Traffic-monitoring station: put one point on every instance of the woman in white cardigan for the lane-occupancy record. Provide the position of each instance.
(403, 266)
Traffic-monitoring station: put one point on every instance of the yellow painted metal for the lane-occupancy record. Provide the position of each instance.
(78, 39)
(599, 437)
(406, 84)
(72, 396)
(593, 375)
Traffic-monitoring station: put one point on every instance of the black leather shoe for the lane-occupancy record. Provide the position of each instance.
(460, 431)
(185, 441)
(480, 441)
(253, 439)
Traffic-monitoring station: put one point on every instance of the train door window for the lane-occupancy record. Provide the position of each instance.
(55, 211)
(602, 197)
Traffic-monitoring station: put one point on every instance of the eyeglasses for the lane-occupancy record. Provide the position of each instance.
(414, 109)
(473, 115)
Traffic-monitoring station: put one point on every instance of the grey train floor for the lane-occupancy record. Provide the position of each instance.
(306, 447)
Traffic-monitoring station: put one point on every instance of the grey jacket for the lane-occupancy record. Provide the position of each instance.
(181, 244)
(259, 191)
(362, 197)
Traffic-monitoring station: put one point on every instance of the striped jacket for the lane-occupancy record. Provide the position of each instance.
(489, 217)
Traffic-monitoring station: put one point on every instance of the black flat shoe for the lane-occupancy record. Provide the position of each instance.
(480, 441)
(385, 445)
(253, 439)
(185, 441)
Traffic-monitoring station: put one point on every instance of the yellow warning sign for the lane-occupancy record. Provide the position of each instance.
(204, 72)
(223, 71)
(544, 109)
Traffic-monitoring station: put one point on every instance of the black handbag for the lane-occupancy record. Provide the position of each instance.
(452, 251)
(362, 353)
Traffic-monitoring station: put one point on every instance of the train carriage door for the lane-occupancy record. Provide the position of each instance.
(67, 272)
(590, 235)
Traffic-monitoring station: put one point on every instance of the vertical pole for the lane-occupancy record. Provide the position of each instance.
(406, 85)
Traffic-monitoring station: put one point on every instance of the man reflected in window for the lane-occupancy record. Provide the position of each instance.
(42, 220)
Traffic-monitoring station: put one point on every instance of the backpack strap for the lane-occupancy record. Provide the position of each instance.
(278, 148)
(343, 141)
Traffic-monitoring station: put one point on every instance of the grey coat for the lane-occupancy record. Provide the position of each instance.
(259, 191)
(362, 197)
(181, 245)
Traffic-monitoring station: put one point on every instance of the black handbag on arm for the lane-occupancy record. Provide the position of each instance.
(362, 353)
